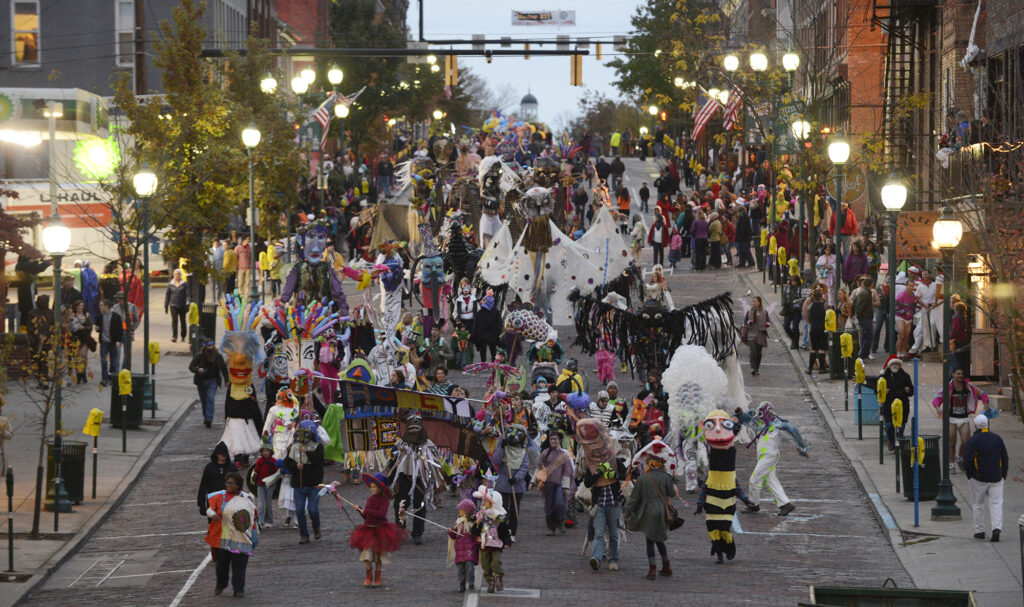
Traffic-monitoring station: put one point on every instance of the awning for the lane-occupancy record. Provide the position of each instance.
(22, 120)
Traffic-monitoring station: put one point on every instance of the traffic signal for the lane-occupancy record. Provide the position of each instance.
(576, 70)
(663, 115)
(451, 70)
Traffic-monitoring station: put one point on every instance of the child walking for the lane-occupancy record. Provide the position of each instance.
(675, 247)
(494, 536)
(376, 538)
(463, 544)
(265, 467)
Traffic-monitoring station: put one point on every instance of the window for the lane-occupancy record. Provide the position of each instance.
(26, 33)
(125, 32)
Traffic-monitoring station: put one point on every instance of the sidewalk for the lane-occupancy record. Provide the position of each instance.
(938, 555)
(116, 472)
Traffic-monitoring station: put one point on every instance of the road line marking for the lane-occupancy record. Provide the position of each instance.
(890, 522)
(127, 537)
(472, 598)
(191, 580)
(156, 503)
(116, 567)
(117, 577)
(786, 533)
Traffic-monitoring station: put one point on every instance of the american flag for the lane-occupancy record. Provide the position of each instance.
(732, 110)
(704, 115)
(323, 115)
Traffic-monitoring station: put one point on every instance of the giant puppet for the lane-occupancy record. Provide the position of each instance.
(314, 276)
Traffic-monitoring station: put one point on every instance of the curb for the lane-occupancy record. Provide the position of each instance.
(71, 546)
(885, 519)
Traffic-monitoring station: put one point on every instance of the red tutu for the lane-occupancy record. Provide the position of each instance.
(387, 538)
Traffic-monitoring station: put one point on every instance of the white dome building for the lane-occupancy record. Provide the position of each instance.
(528, 107)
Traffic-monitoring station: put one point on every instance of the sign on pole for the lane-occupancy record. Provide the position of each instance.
(555, 17)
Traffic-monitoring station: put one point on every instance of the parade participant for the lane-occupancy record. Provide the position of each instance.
(718, 499)
(209, 371)
(494, 536)
(619, 405)
(986, 464)
(438, 348)
(486, 328)
(281, 421)
(213, 475)
(330, 359)
(601, 409)
(963, 404)
(554, 479)
(768, 428)
(648, 503)
(305, 464)
(415, 473)
(463, 544)
(512, 467)
(243, 351)
(314, 273)
(377, 537)
(570, 379)
(265, 467)
(900, 386)
(605, 485)
(232, 533)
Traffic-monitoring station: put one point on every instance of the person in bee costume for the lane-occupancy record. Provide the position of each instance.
(719, 498)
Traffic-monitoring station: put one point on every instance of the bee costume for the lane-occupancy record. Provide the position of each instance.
(720, 488)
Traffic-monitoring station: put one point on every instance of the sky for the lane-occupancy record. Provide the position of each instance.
(546, 77)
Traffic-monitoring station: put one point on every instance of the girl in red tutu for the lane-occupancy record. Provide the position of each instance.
(376, 537)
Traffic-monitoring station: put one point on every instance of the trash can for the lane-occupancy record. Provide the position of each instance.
(208, 321)
(868, 407)
(929, 474)
(835, 359)
(72, 467)
(132, 405)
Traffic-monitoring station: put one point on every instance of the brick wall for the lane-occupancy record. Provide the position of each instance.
(865, 68)
(956, 85)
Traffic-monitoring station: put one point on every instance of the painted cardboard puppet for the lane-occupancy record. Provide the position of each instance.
(314, 275)
(719, 497)
(243, 352)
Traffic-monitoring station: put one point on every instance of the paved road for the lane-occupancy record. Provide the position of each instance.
(147, 552)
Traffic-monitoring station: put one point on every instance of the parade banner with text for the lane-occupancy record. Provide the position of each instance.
(543, 17)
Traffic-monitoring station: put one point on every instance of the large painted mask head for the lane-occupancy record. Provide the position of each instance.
(243, 351)
(314, 240)
(277, 364)
(718, 430)
(392, 277)
(545, 172)
(489, 177)
(443, 149)
(537, 201)
(421, 171)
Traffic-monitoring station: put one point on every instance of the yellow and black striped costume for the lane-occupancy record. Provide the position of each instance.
(720, 500)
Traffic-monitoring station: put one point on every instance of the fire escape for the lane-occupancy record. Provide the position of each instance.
(912, 69)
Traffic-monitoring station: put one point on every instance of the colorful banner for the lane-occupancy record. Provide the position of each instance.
(556, 17)
(365, 400)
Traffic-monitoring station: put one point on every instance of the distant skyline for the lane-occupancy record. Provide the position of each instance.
(546, 77)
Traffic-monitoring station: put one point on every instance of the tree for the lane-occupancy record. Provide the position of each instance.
(599, 113)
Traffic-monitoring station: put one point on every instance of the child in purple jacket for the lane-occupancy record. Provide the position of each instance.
(463, 544)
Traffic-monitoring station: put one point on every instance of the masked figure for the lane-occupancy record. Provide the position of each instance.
(415, 474)
(536, 205)
(768, 428)
(719, 497)
(434, 289)
(497, 181)
(243, 352)
(275, 372)
(314, 275)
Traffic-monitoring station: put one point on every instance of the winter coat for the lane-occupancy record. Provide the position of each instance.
(216, 369)
(849, 223)
(854, 265)
(509, 481)
(665, 234)
(985, 457)
(645, 509)
(757, 327)
(176, 296)
(743, 231)
(486, 327)
(312, 472)
(897, 385)
(467, 545)
(213, 475)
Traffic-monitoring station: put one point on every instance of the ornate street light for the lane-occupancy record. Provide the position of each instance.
(790, 62)
(335, 75)
(268, 84)
(251, 138)
(838, 153)
(438, 114)
(731, 63)
(652, 110)
(894, 196)
(946, 233)
(308, 74)
(299, 85)
(341, 110)
(145, 182)
(758, 62)
(56, 240)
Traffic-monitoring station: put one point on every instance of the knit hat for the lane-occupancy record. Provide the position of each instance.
(613, 383)
(602, 394)
(892, 360)
(980, 421)
(467, 506)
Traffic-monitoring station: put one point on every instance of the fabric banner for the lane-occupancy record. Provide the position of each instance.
(364, 400)
(555, 17)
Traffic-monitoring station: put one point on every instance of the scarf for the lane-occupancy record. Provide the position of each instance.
(514, 457)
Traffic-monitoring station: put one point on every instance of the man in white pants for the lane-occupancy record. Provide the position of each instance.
(924, 330)
(986, 464)
(768, 428)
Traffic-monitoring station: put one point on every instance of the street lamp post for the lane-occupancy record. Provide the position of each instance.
(251, 138)
(145, 182)
(838, 153)
(335, 75)
(894, 196)
(801, 131)
(946, 232)
(56, 239)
